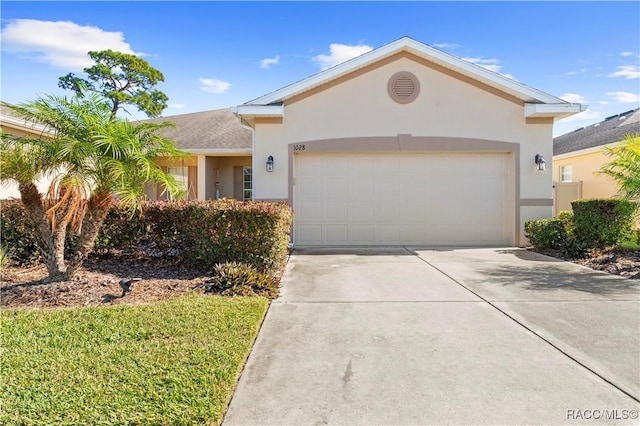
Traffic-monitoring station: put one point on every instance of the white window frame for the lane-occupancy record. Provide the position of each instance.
(247, 183)
(181, 175)
(566, 173)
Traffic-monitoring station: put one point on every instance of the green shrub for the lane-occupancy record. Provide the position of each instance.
(545, 233)
(603, 222)
(573, 248)
(201, 233)
(17, 235)
(240, 279)
(566, 216)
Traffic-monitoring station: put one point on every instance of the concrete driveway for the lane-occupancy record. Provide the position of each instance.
(443, 336)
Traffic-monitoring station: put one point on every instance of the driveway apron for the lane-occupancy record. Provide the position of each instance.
(443, 336)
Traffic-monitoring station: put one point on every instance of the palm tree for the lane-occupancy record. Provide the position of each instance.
(92, 159)
(625, 166)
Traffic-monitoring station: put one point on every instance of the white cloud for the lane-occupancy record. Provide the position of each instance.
(603, 102)
(490, 64)
(177, 106)
(267, 62)
(627, 71)
(574, 98)
(624, 97)
(580, 71)
(63, 44)
(340, 53)
(626, 54)
(212, 85)
(446, 45)
(587, 115)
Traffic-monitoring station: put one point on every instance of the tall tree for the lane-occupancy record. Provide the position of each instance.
(90, 154)
(624, 168)
(122, 79)
(92, 159)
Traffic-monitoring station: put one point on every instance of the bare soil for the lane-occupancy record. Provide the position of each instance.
(97, 282)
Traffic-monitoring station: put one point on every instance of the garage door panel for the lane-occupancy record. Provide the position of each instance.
(336, 211)
(408, 198)
(310, 210)
(388, 234)
(335, 189)
(309, 234)
(362, 234)
(310, 188)
(360, 189)
(387, 186)
(337, 234)
(360, 211)
(386, 211)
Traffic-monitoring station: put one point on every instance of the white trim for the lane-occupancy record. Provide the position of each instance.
(25, 125)
(552, 110)
(469, 69)
(259, 110)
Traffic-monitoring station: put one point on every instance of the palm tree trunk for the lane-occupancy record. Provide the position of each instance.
(51, 242)
(97, 209)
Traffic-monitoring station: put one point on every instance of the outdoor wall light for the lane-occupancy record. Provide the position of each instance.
(542, 165)
(270, 163)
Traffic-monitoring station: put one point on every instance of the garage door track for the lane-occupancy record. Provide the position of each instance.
(443, 336)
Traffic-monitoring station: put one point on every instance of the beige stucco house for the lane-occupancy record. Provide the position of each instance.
(579, 155)
(219, 165)
(406, 145)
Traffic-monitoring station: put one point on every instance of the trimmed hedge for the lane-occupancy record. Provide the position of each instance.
(545, 233)
(202, 233)
(603, 222)
(17, 235)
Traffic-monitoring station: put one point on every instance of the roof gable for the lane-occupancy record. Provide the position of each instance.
(511, 87)
(611, 130)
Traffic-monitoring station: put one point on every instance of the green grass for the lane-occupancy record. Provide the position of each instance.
(170, 363)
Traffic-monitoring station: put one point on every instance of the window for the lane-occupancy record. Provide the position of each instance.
(247, 183)
(181, 175)
(566, 173)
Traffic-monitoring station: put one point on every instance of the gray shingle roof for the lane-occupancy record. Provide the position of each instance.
(216, 129)
(612, 129)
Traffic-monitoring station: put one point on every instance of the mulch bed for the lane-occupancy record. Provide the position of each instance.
(625, 263)
(97, 284)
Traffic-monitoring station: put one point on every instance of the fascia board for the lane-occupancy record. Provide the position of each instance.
(22, 124)
(558, 110)
(259, 110)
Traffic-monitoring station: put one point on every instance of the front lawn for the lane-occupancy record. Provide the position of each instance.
(171, 362)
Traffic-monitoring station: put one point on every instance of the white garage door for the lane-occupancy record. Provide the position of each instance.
(401, 199)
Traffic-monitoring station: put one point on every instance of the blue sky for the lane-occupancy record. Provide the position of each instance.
(221, 54)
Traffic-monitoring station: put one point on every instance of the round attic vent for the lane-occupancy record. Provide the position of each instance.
(403, 87)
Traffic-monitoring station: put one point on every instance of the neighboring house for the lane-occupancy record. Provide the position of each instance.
(219, 145)
(406, 145)
(579, 155)
(12, 125)
(220, 161)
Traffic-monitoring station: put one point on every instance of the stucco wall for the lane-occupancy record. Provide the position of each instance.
(584, 167)
(445, 107)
